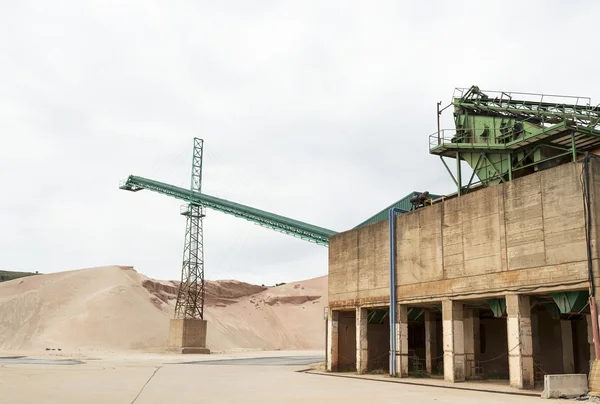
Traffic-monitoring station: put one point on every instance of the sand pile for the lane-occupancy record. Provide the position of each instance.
(115, 308)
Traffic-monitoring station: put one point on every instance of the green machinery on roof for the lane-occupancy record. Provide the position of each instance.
(279, 223)
(405, 204)
(504, 135)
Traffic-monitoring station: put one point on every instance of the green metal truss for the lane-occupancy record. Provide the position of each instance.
(498, 306)
(571, 302)
(503, 136)
(279, 223)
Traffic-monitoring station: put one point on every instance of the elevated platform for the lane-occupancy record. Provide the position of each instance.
(504, 135)
(447, 143)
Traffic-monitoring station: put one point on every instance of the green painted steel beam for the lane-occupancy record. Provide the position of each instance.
(449, 172)
(378, 316)
(588, 131)
(305, 231)
(559, 128)
(474, 172)
(577, 113)
(416, 314)
(475, 147)
(571, 302)
(496, 171)
(506, 147)
(498, 306)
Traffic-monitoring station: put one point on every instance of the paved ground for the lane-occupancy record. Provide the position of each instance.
(303, 360)
(245, 377)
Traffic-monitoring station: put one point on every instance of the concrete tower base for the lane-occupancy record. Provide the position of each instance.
(188, 336)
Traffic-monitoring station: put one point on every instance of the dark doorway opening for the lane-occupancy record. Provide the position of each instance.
(378, 340)
(347, 341)
(416, 342)
(492, 357)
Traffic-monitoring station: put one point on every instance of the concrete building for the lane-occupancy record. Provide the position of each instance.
(491, 284)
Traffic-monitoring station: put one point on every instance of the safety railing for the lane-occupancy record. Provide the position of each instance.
(542, 106)
(471, 137)
(512, 97)
(484, 136)
(187, 210)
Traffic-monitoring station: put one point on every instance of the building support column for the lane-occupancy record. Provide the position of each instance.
(454, 341)
(590, 338)
(362, 352)
(402, 340)
(566, 332)
(469, 333)
(332, 340)
(458, 174)
(520, 343)
(430, 341)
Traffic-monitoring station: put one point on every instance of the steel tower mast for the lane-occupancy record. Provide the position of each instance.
(190, 298)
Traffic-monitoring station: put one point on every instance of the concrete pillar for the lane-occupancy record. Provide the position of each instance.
(430, 341)
(454, 341)
(362, 352)
(188, 336)
(520, 343)
(469, 334)
(332, 340)
(590, 338)
(402, 341)
(535, 337)
(566, 332)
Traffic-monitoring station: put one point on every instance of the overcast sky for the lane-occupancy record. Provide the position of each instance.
(316, 110)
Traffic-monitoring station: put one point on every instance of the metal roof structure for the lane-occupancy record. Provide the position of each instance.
(403, 204)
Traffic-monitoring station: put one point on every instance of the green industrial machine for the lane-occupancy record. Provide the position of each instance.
(503, 136)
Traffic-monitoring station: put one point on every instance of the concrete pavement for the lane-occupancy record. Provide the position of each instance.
(250, 377)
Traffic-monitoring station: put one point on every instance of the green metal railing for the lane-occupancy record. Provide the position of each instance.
(505, 135)
(279, 223)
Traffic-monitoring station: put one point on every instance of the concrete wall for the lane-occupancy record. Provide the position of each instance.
(525, 233)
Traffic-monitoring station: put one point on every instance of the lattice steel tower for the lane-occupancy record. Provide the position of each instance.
(190, 298)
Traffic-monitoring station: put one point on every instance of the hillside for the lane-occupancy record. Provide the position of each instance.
(116, 308)
(10, 275)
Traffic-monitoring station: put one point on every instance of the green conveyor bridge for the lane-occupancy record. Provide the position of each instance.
(279, 223)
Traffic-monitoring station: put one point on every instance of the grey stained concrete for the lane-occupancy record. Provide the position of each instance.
(251, 377)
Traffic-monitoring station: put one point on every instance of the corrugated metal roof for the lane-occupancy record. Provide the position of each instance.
(403, 204)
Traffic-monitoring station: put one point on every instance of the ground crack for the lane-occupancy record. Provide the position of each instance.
(145, 384)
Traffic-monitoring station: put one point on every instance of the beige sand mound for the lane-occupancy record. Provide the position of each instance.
(116, 308)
